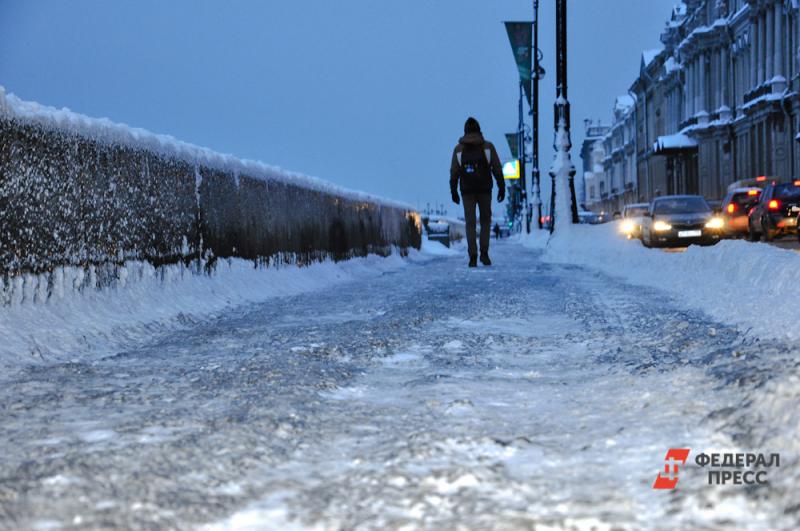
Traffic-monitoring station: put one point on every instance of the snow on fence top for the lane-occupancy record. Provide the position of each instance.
(105, 131)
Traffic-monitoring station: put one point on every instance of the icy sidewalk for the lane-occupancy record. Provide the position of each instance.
(528, 396)
(431, 396)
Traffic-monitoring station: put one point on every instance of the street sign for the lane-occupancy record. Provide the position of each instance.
(511, 169)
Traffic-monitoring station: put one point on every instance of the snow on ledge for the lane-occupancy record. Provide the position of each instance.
(107, 132)
(676, 141)
(749, 285)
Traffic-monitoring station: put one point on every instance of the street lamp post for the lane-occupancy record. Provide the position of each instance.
(522, 157)
(537, 75)
(562, 168)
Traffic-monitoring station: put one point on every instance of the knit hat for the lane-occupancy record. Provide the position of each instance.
(471, 126)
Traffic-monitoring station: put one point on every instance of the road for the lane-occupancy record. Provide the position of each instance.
(437, 396)
(789, 242)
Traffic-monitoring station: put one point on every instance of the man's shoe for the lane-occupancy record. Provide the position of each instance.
(485, 259)
(473, 261)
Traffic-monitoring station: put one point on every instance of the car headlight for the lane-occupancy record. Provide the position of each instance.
(627, 227)
(715, 223)
(661, 226)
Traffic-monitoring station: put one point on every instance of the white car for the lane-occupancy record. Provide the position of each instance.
(632, 219)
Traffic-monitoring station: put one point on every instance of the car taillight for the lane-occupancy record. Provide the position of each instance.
(774, 204)
(731, 208)
(753, 192)
(761, 178)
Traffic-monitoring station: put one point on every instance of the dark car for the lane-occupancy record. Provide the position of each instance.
(679, 221)
(736, 209)
(776, 212)
(587, 217)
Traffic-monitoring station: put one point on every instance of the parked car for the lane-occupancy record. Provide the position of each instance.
(736, 209)
(632, 216)
(679, 221)
(776, 212)
(587, 217)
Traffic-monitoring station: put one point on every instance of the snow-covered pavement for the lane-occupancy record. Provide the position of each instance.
(527, 395)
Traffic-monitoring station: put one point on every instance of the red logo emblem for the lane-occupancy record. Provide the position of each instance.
(669, 478)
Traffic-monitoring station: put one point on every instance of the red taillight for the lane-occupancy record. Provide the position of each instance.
(774, 204)
(797, 183)
(761, 178)
(731, 208)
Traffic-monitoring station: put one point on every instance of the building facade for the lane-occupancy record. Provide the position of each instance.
(718, 103)
(592, 155)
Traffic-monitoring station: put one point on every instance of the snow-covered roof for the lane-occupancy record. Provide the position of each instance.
(672, 142)
(623, 102)
(107, 132)
(649, 55)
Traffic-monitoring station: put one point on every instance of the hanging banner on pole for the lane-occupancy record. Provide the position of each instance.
(513, 144)
(520, 35)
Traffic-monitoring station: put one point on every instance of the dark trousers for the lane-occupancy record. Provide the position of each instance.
(484, 203)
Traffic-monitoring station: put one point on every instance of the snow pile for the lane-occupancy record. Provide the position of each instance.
(752, 286)
(434, 248)
(562, 167)
(88, 325)
(105, 131)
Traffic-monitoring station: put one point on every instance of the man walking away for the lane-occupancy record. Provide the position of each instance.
(474, 163)
(496, 230)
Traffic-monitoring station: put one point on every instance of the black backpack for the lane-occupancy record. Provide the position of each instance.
(475, 173)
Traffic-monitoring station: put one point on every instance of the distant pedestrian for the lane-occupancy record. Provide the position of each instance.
(496, 230)
(474, 163)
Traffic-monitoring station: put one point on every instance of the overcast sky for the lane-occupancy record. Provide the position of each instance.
(371, 95)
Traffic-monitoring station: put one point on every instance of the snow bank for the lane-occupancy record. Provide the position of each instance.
(434, 248)
(155, 301)
(750, 285)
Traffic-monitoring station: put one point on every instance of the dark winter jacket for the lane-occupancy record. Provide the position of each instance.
(476, 139)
